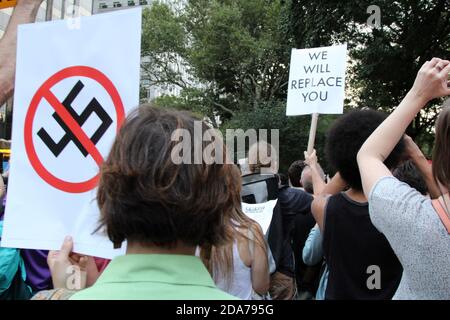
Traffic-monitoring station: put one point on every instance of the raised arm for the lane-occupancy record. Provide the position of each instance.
(431, 82)
(24, 12)
(313, 164)
(336, 185)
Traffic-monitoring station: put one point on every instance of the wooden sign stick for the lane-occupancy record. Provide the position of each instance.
(312, 132)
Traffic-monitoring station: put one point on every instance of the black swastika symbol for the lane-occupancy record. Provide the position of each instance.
(93, 107)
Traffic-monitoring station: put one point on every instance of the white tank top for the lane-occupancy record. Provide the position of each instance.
(241, 283)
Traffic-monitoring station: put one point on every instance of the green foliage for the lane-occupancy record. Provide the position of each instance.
(293, 131)
(385, 60)
(236, 50)
(237, 54)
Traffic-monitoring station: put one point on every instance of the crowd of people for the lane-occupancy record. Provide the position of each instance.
(379, 229)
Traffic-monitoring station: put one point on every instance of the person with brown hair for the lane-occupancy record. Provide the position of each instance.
(241, 267)
(162, 209)
(263, 185)
(417, 228)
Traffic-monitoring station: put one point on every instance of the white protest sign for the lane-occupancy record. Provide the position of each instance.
(260, 212)
(74, 87)
(317, 81)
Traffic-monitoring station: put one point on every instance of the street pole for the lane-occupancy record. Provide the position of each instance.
(49, 10)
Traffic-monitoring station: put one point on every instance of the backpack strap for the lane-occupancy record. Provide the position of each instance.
(437, 205)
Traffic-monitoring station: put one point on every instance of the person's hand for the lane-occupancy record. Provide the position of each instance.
(91, 269)
(432, 80)
(68, 270)
(311, 159)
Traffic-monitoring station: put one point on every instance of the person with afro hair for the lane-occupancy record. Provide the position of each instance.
(361, 263)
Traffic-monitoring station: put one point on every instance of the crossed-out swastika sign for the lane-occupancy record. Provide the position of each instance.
(94, 107)
(71, 123)
(73, 89)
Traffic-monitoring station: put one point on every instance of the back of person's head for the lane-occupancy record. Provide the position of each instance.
(295, 173)
(284, 180)
(441, 152)
(219, 259)
(345, 138)
(408, 173)
(306, 178)
(146, 198)
(263, 158)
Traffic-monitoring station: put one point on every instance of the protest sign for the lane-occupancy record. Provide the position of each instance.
(260, 212)
(73, 90)
(317, 83)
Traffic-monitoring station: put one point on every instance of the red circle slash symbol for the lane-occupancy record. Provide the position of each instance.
(73, 127)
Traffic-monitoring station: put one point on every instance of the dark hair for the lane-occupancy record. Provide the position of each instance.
(295, 173)
(307, 183)
(284, 180)
(408, 173)
(144, 197)
(345, 138)
(441, 152)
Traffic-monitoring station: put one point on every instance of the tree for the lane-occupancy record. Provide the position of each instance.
(236, 52)
(386, 59)
(293, 131)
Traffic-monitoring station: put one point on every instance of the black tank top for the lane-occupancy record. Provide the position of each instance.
(351, 245)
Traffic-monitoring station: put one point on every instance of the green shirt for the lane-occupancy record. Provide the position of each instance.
(154, 277)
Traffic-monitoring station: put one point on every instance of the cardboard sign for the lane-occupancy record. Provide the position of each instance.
(73, 90)
(317, 81)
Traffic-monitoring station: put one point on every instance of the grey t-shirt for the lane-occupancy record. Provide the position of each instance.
(417, 236)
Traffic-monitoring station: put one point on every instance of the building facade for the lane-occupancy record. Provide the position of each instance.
(101, 6)
(61, 9)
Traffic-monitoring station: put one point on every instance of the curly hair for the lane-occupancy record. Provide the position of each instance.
(345, 138)
(144, 197)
